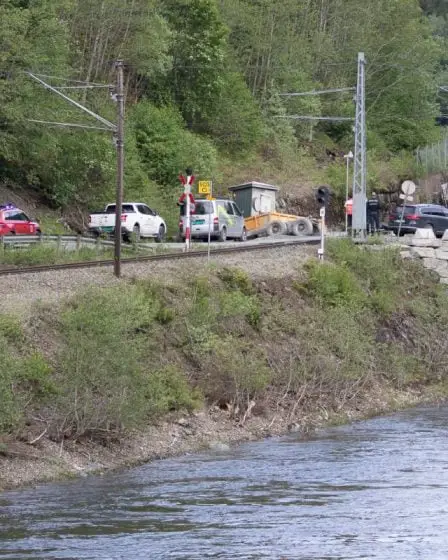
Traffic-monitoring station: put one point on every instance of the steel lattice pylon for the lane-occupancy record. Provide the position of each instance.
(359, 225)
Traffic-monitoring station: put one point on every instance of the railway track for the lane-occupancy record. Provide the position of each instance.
(240, 248)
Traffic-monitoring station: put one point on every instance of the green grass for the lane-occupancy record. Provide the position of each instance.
(43, 254)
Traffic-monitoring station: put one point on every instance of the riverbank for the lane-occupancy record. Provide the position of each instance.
(212, 429)
(108, 377)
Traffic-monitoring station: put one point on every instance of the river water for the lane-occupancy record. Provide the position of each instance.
(375, 489)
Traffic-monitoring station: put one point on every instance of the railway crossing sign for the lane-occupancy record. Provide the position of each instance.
(205, 187)
(408, 188)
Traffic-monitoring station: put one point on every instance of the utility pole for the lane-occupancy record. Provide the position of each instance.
(359, 226)
(120, 167)
(106, 126)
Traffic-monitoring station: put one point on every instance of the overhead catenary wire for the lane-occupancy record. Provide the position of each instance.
(318, 92)
(313, 118)
(69, 80)
(69, 125)
(102, 120)
(83, 87)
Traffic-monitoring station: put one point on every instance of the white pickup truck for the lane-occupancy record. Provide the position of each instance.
(137, 220)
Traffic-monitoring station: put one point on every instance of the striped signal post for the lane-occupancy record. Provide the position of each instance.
(189, 204)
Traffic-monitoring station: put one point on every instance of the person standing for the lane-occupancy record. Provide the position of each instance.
(373, 210)
(348, 212)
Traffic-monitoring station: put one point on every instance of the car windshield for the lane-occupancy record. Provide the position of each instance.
(202, 207)
(407, 210)
(126, 208)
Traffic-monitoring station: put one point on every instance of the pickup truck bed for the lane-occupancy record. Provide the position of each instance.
(137, 220)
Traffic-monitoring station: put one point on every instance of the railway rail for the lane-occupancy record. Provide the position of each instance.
(240, 248)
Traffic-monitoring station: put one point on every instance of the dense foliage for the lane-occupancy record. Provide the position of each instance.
(203, 79)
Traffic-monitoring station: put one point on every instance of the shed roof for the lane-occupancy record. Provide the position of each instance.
(254, 185)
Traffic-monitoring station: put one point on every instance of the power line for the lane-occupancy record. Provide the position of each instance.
(318, 92)
(312, 118)
(70, 125)
(60, 78)
(102, 120)
(84, 87)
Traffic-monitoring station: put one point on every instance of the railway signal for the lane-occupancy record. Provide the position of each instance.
(188, 200)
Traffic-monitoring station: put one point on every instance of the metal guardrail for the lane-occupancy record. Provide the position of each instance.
(76, 242)
(60, 240)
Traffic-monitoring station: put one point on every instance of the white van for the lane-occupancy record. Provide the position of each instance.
(221, 217)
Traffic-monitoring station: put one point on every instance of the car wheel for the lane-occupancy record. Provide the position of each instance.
(223, 234)
(276, 228)
(302, 226)
(243, 235)
(161, 235)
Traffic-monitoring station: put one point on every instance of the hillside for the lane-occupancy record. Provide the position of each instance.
(203, 83)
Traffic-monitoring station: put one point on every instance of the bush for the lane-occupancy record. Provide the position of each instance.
(333, 285)
(236, 371)
(167, 389)
(11, 329)
(386, 279)
(236, 279)
(9, 412)
(109, 378)
(24, 381)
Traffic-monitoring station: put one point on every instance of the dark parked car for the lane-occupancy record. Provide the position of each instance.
(429, 216)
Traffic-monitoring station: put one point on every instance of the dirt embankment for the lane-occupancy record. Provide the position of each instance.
(181, 356)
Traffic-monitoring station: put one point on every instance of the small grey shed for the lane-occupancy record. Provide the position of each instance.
(255, 198)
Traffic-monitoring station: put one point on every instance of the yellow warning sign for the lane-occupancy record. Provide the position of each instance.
(205, 187)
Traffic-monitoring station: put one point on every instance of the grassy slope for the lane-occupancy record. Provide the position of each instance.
(112, 360)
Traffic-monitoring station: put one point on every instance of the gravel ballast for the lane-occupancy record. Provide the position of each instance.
(20, 292)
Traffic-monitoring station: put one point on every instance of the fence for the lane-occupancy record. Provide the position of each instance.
(433, 159)
(73, 242)
(77, 242)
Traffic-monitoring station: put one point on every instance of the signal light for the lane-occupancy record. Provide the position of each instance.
(323, 196)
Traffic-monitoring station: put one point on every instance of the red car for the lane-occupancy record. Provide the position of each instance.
(14, 221)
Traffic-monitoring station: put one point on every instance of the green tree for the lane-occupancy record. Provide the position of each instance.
(166, 147)
(198, 51)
